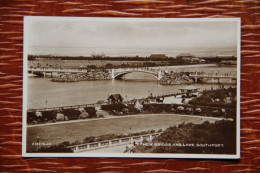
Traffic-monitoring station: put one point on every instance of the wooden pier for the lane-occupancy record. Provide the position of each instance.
(198, 76)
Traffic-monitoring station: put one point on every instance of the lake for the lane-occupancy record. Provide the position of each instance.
(44, 93)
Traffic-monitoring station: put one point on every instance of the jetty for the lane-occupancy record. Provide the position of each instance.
(199, 76)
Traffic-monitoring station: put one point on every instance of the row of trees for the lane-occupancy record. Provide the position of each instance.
(129, 109)
(217, 98)
(38, 117)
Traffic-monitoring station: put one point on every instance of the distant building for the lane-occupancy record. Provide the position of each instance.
(226, 56)
(211, 59)
(197, 60)
(158, 56)
(115, 98)
(101, 55)
(185, 56)
(228, 62)
(220, 58)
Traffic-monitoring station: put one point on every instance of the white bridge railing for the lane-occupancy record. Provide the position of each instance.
(136, 69)
(113, 142)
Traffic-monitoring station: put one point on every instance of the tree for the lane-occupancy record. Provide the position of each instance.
(109, 65)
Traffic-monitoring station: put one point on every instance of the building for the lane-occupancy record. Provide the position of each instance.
(150, 100)
(228, 63)
(229, 57)
(115, 98)
(100, 55)
(185, 56)
(158, 56)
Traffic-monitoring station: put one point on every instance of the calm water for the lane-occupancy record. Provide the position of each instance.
(137, 85)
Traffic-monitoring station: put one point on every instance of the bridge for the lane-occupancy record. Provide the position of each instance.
(119, 73)
(196, 76)
(115, 73)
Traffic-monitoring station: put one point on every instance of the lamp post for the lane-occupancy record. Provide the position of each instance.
(130, 136)
(38, 142)
(46, 103)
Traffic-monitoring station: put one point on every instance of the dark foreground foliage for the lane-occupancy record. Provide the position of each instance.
(208, 97)
(221, 132)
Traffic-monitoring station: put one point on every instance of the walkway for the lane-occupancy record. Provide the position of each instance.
(119, 117)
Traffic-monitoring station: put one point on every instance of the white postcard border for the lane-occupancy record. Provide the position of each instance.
(135, 155)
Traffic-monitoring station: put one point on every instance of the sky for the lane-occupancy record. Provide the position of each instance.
(124, 36)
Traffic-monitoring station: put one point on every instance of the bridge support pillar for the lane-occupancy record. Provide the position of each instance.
(151, 137)
(196, 80)
(131, 140)
(112, 73)
(159, 75)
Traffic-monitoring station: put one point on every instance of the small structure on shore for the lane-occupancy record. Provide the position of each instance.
(150, 99)
(115, 98)
(189, 90)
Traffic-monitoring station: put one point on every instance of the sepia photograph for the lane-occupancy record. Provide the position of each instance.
(131, 87)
